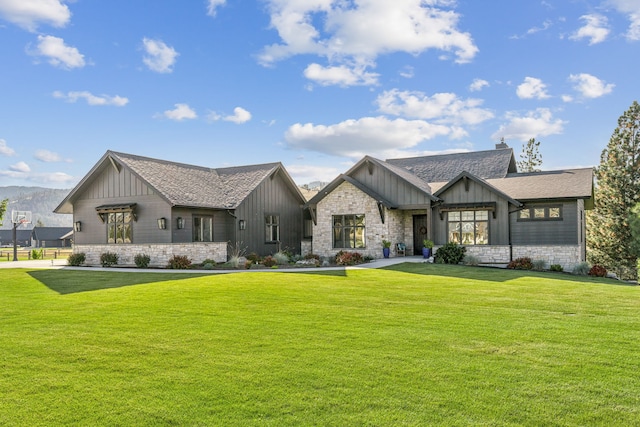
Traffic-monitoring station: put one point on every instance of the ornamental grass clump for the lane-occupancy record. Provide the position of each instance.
(281, 258)
(581, 269)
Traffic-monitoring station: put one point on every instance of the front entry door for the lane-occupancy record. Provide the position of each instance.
(419, 233)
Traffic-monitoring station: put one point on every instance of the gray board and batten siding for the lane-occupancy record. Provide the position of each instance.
(564, 231)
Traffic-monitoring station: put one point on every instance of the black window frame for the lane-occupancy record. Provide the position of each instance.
(345, 226)
(547, 216)
(196, 236)
(119, 224)
(475, 221)
(271, 226)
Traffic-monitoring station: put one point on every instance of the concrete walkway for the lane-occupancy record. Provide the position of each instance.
(62, 264)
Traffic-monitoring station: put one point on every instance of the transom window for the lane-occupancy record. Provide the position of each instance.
(272, 228)
(348, 231)
(468, 227)
(541, 213)
(119, 227)
(202, 229)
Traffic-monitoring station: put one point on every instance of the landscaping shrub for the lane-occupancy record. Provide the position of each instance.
(208, 266)
(36, 254)
(523, 263)
(76, 259)
(539, 264)
(179, 262)
(598, 271)
(142, 260)
(254, 258)
(281, 258)
(471, 260)
(234, 262)
(451, 253)
(581, 269)
(348, 258)
(269, 261)
(108, 259)
(556, 267)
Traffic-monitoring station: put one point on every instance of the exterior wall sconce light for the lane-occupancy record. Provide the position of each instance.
(77, 226)
(162, 223)
(242, 224)
(180, 223)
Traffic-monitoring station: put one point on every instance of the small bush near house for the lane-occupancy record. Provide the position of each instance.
(208, 266)
(179, 262)
(523, 263)
(76, 259)
(348, 258)
(598, 271)
(556, 267)
(234, 262)
(581, 269)
(281, 258)
(254, 258)
(471, 260)
(451, 253)
(539, 264)
(109, 259)
(36, 254)
(142, 260)
(269, 261)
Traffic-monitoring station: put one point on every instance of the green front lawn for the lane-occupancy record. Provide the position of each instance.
(413, 345)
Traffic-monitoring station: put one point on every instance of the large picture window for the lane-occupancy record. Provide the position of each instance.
(272, 228)
(202, 229)
(468, 227)
(119, 227)
(348, 231)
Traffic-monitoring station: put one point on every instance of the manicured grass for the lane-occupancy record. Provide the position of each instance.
(413, 345)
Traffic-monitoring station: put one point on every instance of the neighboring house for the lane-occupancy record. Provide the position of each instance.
(51, 237)
(22, 236)
(476, 199)
(130, 205)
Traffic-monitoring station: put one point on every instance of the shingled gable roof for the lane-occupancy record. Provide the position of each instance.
(466, 175)
(187, 185)
(50, 233)
(444, 167)
(400, 172)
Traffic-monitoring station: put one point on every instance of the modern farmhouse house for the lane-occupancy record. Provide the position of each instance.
(476, 199)
(133, 205)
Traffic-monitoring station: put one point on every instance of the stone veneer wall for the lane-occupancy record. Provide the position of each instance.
(160, 253)
(349, 200)
(565, 255)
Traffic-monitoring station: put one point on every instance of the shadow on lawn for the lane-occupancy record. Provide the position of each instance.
(70, 282)
(493, 274)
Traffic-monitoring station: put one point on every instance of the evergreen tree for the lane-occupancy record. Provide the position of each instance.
(609, 239)
(531, 157)
(3, 208)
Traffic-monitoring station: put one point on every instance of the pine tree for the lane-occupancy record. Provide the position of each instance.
(609, 237)
(3, 208)
(531, 157)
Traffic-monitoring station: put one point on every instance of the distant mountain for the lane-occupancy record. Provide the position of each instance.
(40, 201)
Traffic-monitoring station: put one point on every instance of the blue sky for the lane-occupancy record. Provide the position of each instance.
(314, 84)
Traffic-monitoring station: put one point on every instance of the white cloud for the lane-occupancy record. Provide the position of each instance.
(442, 108)
(240, 115)
(407, 72)
(305, 173)
(5, 150)
(59, 54)
(181, 112)
(29, 13)
(91, 99)
(20, 167)
(590, 86)
(336, 30)
(532, 88)
(595, 29)
(632, 9)
(478, 85)
(533, 125)
(340, 75)
(377, 136)
(41, 178)
(49, 156)
(212, 6)
(158, 56)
